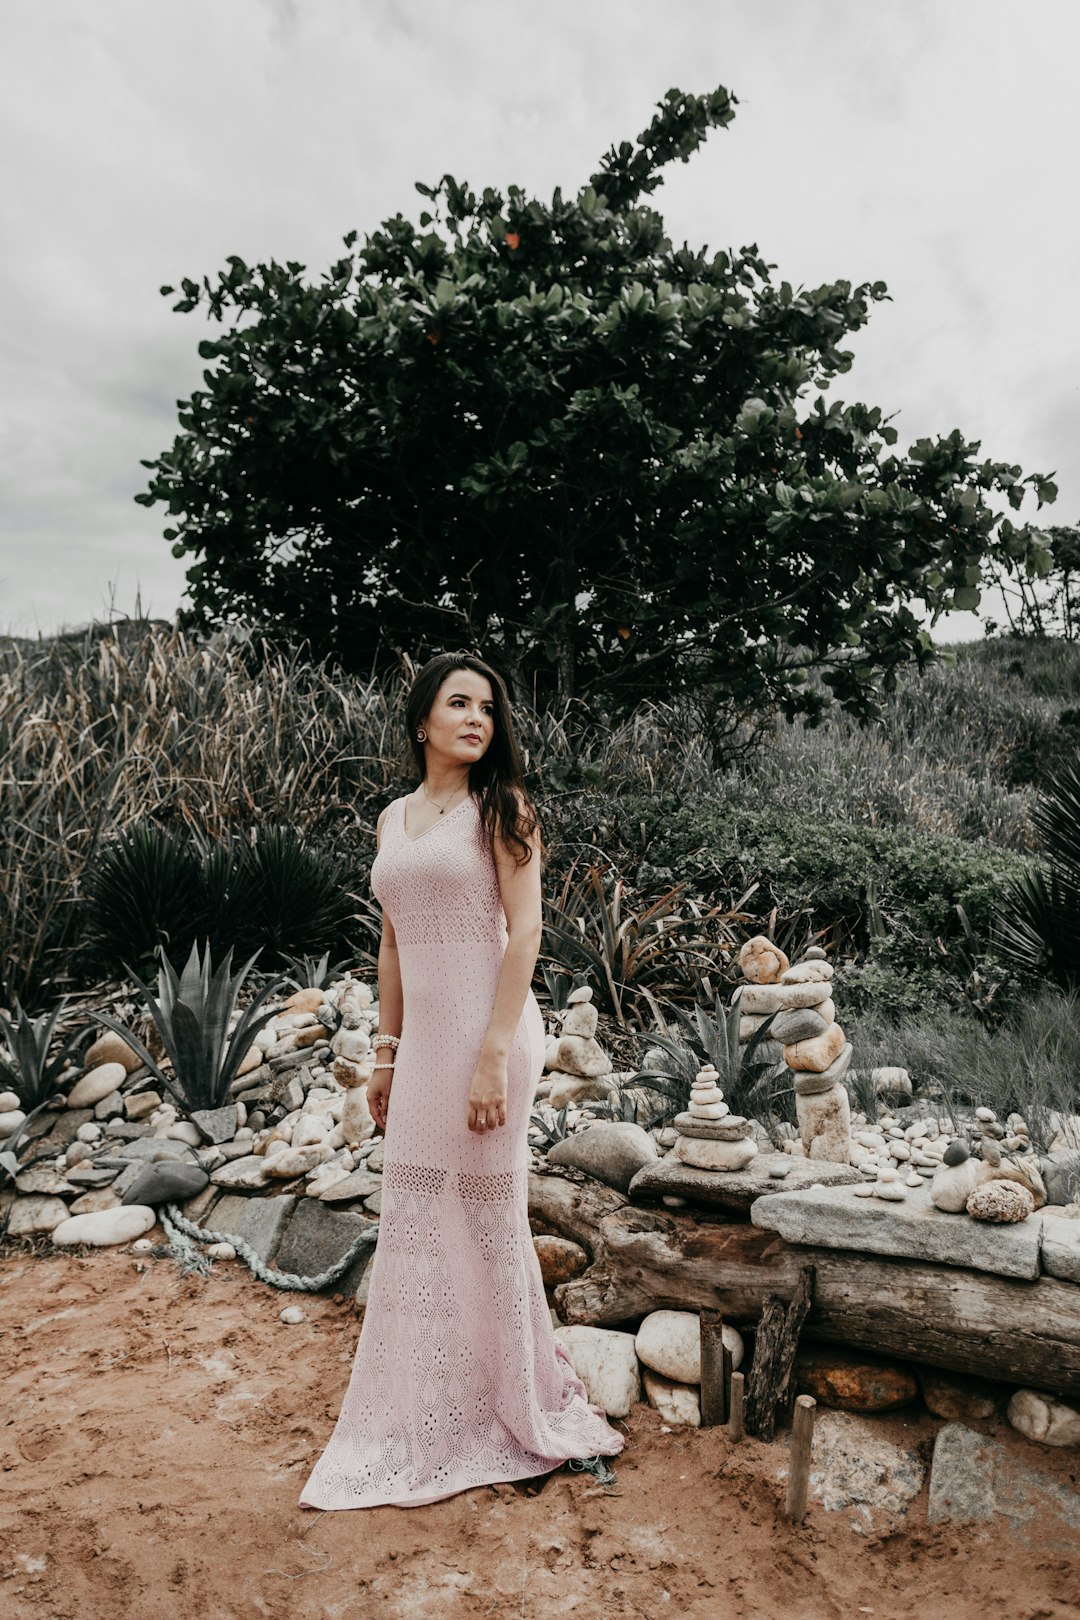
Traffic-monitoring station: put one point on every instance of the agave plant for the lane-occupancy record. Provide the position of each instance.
(633, 956)
(29, 1070)
(745, 1076)
(308, 974)
(192, 1012)
(1039, 925)
(553, 1131)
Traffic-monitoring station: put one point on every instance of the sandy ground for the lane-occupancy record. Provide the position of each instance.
(157, 1429)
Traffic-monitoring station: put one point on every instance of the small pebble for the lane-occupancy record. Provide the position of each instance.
(221, 1251)
(142, 1246)
(914, 1180)
(292, 1314)
(986, 1114)
(779, 1171)
(865, 1191)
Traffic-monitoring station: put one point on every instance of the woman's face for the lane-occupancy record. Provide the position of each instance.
(461, 721)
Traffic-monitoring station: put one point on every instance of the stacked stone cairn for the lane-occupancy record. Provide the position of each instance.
(812, 1046)
(578, 1067)
(710, 1136)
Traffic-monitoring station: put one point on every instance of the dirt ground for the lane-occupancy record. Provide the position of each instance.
(157, 1429)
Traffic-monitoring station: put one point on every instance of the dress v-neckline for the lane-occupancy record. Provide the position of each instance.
(443, 819)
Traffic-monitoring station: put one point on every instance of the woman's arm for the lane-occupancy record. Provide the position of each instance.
(519, 887)
(391, 1009)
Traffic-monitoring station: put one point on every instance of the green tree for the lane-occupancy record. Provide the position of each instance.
(1050, 605)
(544, 431)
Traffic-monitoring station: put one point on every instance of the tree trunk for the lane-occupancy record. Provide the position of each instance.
(646, 1259)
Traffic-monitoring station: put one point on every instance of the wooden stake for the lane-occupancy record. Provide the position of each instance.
(771, 1386)
(802, 1440)
(735, 1408)
(715, 1368)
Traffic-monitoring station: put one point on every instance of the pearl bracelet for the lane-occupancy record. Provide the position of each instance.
(375, 1066)
(386, 1040)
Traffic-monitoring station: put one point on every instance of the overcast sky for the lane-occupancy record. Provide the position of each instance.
(928, 143)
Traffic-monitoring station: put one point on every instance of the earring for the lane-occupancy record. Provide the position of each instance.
(421, 736)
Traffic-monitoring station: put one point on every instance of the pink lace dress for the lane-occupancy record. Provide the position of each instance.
(457, 1378)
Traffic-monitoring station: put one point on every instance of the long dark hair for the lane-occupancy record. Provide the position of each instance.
(499, 772)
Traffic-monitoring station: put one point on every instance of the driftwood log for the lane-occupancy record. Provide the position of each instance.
(770, 1392)
(650, 1259)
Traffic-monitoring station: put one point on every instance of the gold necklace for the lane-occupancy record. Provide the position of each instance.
(441, 807)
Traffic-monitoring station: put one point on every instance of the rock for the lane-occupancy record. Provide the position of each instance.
(956, 1153)
(292, 1162)
(258, 1222)
(568, 1091)
(1061, 1176)
(111, 1048)
(318, 1236)
(583, 1058)
(98, 1198)
(99, 1082)
(891, 1082)
(807, 972)
(676, 1403)
(107, 1227)
(825, 1125)
(612, 1151)
(748, 1027)
(669, 1343)
(292, 1315)
(37, 1212)
(1000, 1201)
(953, 1185)
(1061, 1248)
(12, 1120)
(169, 1181)
(853, 1381)
(560, 1260)
(853, 1467)
(247, 1172)
(818, 1053)
(767, 998)
(958, 1399)
(91, 1175)
(307, 999)
(804, 1024)
(141, 1104)
(213, 1124)
(761, 961)
(807, 1083)
(43, 1178)
(831, 1217)
(709, 1130)
(360, 1184)
(185, 1130)
(8, 1101)
(714, 1155)
(580, 1019)
(1044, 1418)
(735, 1190)
(974, 1480)
(606, 1362)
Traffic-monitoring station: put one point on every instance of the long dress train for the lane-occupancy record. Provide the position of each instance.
(457, 1379)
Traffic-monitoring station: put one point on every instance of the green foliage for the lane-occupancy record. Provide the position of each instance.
(192, 1014)
(553, 1130)
(27, 1069)
(1047, 603)
(606, 461)
(748, 1081)
(308, 974)
(268, 890)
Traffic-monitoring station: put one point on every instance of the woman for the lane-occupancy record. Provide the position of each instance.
(457, 1379)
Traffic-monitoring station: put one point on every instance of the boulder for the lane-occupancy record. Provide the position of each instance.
(109, 1226)
(111, 1048)
(1044, 1418)
(560, 1259)
(853, 1382)
(37, 1212)
(606, 1362)
(825, 1125)
(612, 1151)
(669, 1343)
(677, 1403)
(97, 1083)
(701, 1153)
(1001, 1202)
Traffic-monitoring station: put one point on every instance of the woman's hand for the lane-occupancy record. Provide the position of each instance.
(487, 1095)
(378, 1095)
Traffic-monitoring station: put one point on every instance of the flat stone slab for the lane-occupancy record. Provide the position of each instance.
(1061, 1248)
(975, 1480)
(738, 1189)
(833, 1218)
(259, 1221)
(360, 1184)
(316, 1237)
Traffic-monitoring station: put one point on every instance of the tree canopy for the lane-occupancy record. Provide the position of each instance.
(542, 431)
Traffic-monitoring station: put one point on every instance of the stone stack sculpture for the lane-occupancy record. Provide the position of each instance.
(710, 1136)
(576, 1062)
(812, 1043)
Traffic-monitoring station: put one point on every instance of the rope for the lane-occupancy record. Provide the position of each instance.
(177, 1225)
(594, 1465)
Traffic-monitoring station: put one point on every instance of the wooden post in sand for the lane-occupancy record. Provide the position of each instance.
(802, 1439)
(715, 1369)
(735, 1408)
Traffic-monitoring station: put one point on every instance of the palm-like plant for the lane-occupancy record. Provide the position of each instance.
(308, 974)
(192, 1012)
(1039, 923)
(746, 1078)
(633, 956)
(28, 1070)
